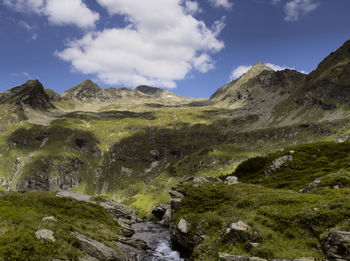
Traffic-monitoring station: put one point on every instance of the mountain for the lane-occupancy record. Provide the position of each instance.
(136, 145)
(30, 94)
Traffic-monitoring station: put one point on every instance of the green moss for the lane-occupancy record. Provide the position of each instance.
(309, 162)
(21, 215)
(289, 224)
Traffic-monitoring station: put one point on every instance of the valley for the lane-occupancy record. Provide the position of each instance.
(284, 135)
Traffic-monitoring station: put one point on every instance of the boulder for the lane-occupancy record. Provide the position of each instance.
(45, 234)
(337, 246)
(50, 219)
(239, 233)
(94, 248)
(278, 163)
(166, 218)
(231, 180)
(159, 211)
(176, 198)
(183, 226)
(162, 213)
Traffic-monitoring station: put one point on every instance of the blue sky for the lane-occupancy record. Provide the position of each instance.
(192, 47)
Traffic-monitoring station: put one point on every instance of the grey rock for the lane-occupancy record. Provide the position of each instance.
(278, 163)
(239, 233)
(95, 249)
(337, 246)
(166, 218)
(183, 226)
(45, 234)
(159, 211)
(176, 198)
(51, 218)
(231, 180)
(313, 185)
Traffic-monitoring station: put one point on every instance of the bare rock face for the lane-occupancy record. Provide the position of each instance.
(84, 91)
(278, 163)
(65, 178)
(95, 249)
(31, 94)
(337, 246)
(162, 213)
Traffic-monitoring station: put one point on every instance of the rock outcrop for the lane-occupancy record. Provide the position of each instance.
(31, 94)
(337, 246)
(239, 233)
(95, 249)
(162, 213)
(45, 234)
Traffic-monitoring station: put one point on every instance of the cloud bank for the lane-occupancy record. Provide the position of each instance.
(162, 43)
(221, 3)
(58, 12)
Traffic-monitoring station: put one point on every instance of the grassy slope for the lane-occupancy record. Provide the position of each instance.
(192, 141)
(21, 215)
(290, 224)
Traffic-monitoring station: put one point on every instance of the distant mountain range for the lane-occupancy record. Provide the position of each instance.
(94, 139)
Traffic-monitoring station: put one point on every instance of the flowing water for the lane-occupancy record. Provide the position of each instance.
(157, 238)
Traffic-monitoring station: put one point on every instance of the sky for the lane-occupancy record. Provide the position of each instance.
(191, 47)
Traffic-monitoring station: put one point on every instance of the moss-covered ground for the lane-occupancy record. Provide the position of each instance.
(21, 215)
(289, 224)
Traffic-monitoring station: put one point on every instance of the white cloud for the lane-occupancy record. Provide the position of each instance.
(59, 12)
(295, 7)
(240, 70)
(221, 3)
(192, 7)
(161, 44)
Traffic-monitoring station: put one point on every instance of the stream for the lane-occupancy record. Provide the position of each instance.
(157, 238)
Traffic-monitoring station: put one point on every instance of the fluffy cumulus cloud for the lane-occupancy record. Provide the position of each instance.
(240, 70)
(192, 7)
(59, 12)
(221, 3)
(161, 44)
(295, 8)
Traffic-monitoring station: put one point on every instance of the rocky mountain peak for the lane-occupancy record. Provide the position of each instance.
(149, 90)
(31, 94)
(256, 69)
(87, 89)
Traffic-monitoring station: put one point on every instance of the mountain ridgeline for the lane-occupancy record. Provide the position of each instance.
(135, 145)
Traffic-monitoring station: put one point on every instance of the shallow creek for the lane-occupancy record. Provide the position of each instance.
(157, 237)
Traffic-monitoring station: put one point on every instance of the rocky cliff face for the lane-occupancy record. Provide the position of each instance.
(30, 94)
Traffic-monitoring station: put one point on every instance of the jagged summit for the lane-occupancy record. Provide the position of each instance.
(86, 90)
(149, 90)
(31, 94)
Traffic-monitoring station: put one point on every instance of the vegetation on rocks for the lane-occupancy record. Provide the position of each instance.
(24, 213)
